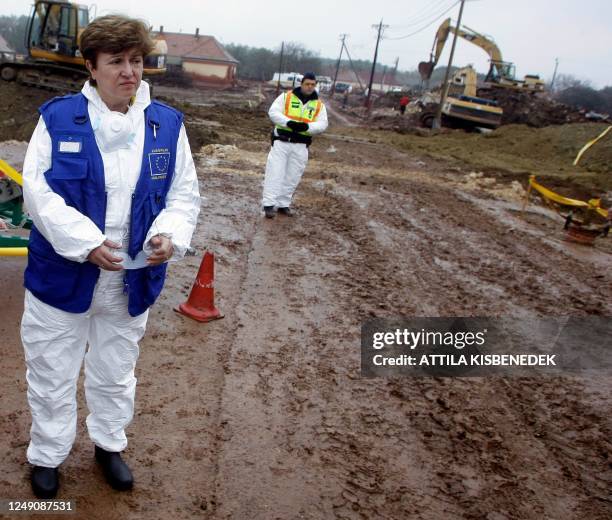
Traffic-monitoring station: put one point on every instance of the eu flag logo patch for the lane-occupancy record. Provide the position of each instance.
(158, 164)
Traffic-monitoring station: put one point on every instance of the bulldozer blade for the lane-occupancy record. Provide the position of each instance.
(425, 69)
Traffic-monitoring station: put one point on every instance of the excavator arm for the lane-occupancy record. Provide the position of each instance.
(501, 73)
(498, 66)
(440, 41)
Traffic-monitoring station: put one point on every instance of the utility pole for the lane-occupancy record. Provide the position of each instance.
(382, 80)
(380, 30)
(280, 68)
(342, 38)
(437, 123)
(395, 68)
(353, 67)
(552, 82)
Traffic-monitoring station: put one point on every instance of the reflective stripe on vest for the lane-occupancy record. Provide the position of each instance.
(298, 111)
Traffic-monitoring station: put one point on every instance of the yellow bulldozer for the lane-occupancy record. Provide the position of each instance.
(501, 73)
(52, 39)
(462, 108)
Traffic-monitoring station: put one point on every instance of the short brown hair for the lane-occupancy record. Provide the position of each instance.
(114, 34)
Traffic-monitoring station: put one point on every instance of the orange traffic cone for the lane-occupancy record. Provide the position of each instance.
(200, 305)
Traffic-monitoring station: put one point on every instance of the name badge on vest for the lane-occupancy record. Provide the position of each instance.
(70, 146)
(159, 161)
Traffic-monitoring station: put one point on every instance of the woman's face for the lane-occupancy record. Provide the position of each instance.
(118, 75)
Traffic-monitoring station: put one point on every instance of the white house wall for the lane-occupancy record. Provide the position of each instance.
(206, 69)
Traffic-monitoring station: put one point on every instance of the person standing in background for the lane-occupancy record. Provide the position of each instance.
(297, 115)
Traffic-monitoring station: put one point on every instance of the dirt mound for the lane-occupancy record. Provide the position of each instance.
(515, 152)
(211, 122)
(203, 114)
(19, 109)
(532, 109)
(558, 143)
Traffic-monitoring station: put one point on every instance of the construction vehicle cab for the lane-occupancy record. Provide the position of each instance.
(54, 30)
(463, 108)
(54, 60)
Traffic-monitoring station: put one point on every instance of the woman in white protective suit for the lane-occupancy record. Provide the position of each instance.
(112, 190)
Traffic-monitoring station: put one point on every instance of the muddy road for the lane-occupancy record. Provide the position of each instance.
(264, 414)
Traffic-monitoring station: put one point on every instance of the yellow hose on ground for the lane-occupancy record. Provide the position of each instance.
(590, 143)
(592, 204)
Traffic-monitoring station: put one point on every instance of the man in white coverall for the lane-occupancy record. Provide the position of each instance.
(297, 116)
(108, 174)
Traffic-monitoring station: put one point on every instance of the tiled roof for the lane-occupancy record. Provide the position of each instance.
(190, 46)
(4, 47)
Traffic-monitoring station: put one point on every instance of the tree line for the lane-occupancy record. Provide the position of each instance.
(13, 29)
(579, 92)
(260, 63)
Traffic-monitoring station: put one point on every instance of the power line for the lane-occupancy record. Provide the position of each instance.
(353, 67)
(426, 26)
(424, 15)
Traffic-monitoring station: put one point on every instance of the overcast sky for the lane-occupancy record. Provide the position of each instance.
(530, 33)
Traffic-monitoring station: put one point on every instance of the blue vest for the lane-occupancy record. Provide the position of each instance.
(77, 175)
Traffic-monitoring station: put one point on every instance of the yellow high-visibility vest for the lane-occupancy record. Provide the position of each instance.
(298, 111)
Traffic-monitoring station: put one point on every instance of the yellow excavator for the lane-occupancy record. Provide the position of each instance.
(501, 73)
(54, 60)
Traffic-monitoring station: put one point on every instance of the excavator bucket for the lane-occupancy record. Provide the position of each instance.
(425, 69)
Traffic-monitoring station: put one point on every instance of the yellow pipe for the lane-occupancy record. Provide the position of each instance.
(11, 172)
(13, 251)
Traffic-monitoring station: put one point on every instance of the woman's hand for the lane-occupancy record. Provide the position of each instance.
(162, 250)
(103, 257)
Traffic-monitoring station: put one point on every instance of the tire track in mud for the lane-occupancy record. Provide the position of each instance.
(283, 397)
(436, 448)
(229, 228)
(431, 428)
(597, 452)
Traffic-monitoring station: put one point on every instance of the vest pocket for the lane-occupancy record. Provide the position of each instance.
(156, 276)
(68, 178)
(157, 202)
(68, 168)
(54, 279)
(157, 271)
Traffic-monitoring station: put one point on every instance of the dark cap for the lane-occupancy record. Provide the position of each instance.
(309, 75)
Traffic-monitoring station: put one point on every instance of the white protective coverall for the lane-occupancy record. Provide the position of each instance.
(54, 340)
(286, 161)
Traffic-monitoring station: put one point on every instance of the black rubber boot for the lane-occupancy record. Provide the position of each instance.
(45, 481)
(116, 471)
(269, 211)
(288, 212)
